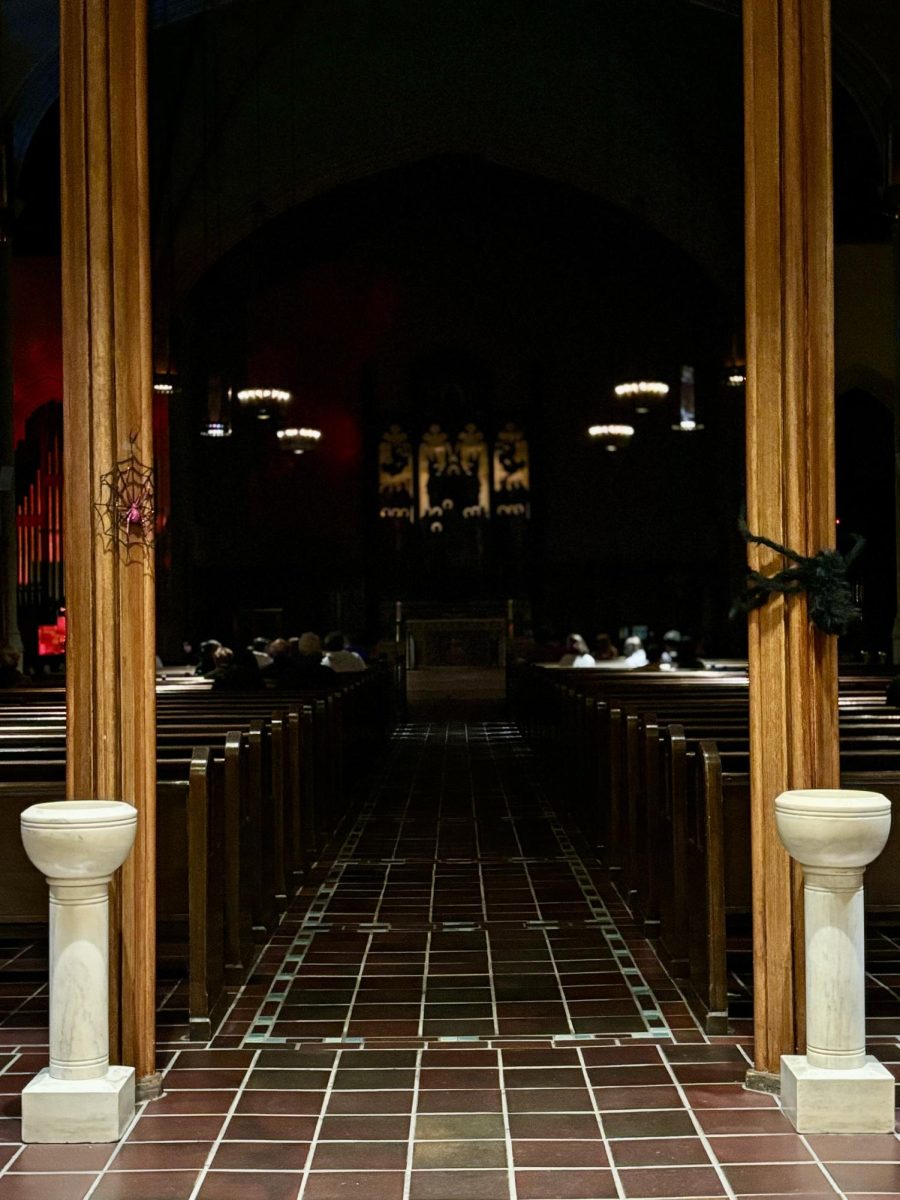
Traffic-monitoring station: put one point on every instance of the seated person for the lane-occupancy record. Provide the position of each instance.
(236, 672)
(259, 648)
(207, 662)
(10, 675)
(303, 667)
(576, 654)
(635, 655)
(671, 643)
(604, 650)
(338, 657)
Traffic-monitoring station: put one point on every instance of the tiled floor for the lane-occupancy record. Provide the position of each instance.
(455, 1008)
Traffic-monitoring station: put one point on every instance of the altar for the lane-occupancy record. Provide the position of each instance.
(456, 642)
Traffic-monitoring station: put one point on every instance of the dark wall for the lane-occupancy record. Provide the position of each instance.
(531, 300)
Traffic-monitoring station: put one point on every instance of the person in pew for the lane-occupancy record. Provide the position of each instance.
(207, 662)
(688, 658)
(303, 667)
(635, 654)
(604, 650)
(654, 657)
(577, 653)
(338, 657)
(545, 647)
(259, 648)
(671, 644)
(10, 675)
(236, 672)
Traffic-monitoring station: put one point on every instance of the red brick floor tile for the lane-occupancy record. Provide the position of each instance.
(558, 1100)
(560, 1153)
(45, 1187)
(161, 1156)
(755, 1148)
(336, 1185)
(857, 1147)
(726, 1095)
(680, 1182)
(176, 1129)
(281, 1103)
(470, 1153)
(777, 1179)
(867, 1177)
(148, 1185)
(270, 1129)
(201, 1103)
(659, 1152)
(553, 1125)
(459, 1185)
(562, 1184)
(365, 1128)
(63, 1158)
(360, 1156)
(742, 1120)
(460, 1101)
(232, 1185)
(610, 1099)
(261, 1156)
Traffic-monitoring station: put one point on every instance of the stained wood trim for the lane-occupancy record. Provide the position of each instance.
(790, 465)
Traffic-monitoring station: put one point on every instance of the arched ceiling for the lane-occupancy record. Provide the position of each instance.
(258, 105)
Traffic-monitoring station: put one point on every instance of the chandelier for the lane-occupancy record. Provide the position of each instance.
(298, 441)
(644, 392)
(613, 437)
(263, 402)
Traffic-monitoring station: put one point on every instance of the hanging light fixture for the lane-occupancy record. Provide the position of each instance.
(299, 440)
(688, 413)
(735, 366)
(263, 402)
(217, 424)
(644, 393)
(613, 437)
(164, 384)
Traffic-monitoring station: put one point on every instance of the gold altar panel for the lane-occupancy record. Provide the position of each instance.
(396, 493)
(512, 474)
(454, 478)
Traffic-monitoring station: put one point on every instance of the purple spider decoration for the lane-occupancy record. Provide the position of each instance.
(126, 509)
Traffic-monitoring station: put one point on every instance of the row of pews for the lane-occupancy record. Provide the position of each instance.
(655, 767)
(250, 787)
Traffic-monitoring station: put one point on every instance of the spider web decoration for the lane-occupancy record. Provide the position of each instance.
(126, 509)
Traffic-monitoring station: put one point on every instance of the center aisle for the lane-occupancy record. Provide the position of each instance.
(456, 1007)
(458, 909)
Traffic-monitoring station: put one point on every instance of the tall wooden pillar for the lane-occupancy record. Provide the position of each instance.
(790, 466)
(108, 419)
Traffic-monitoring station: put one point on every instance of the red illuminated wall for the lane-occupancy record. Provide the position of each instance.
(37, 336)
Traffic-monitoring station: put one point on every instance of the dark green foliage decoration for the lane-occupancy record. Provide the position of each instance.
(823, 576)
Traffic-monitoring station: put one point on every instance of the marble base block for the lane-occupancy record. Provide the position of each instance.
(818, 1100)
(78, 1110)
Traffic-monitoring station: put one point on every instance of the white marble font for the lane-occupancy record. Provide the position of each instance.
(835, 1087)
(77, 845)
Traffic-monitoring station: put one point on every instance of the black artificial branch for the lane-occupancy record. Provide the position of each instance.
(823, 576)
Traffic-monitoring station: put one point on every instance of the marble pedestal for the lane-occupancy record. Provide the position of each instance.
(77, 845)
(78, 1110)
(835, 1087)
(821, 1100)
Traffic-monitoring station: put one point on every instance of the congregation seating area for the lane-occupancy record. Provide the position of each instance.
(250, 788)
(655, 768)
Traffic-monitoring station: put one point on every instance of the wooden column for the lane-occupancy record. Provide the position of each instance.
(107, 412)
(790, 467)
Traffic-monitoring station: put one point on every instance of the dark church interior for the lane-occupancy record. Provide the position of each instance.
(452, 348)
